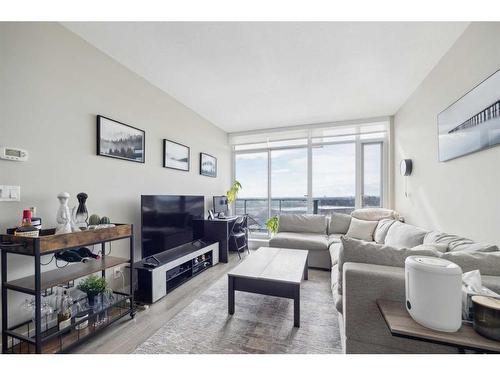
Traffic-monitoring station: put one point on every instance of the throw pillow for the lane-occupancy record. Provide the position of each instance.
(382, 229)
(361, 229)
(374, 214)
(404, 235)
(339, 223)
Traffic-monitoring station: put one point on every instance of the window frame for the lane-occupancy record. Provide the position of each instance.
(360, 140)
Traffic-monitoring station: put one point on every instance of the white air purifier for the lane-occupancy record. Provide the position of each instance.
(434, 292)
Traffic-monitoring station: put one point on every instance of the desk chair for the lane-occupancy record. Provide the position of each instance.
(239, 234)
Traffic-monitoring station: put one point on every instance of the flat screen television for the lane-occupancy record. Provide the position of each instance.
(167, 221)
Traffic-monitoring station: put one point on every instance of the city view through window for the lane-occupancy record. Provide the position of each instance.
(276, 181)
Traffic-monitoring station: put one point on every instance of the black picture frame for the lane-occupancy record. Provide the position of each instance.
(175, 162)
(102, 122)
(204, 160)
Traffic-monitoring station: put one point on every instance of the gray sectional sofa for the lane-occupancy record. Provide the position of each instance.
(366, 266)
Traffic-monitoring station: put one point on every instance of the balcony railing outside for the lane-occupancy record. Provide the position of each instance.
(257, 208)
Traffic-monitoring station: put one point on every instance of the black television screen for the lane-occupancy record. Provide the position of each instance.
(167, 221)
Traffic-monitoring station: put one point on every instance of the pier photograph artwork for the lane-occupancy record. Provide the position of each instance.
(472, 123)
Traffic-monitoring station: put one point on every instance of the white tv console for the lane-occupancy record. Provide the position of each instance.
(176, 266)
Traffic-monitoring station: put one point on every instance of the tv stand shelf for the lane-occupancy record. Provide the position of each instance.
(176, 267)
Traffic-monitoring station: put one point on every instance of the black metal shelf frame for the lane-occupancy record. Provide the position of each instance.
(37, 340)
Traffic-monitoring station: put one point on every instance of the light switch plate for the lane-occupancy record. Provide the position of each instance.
(9, 193)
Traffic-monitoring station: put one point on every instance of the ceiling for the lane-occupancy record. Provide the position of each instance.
(253, 75)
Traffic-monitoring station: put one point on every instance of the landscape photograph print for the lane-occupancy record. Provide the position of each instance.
(208, 165)
(118, 140)
(175, 155)
(472, 123)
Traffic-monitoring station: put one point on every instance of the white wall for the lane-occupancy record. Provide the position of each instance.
(458, 196)
(52, 85)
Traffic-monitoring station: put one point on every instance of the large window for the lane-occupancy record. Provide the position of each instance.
(334, 178)
(289, 181)
(320, 171)
(251, 171)
(372, 174)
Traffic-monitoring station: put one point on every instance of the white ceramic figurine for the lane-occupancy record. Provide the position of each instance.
(63, 214)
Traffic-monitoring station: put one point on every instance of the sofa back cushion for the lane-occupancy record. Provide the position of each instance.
(486, 263)
(361, 229)
(302, 223)
(339, 223)
(382, 229)
(404, 235)
(374, 214)
(372, 253)
(457, 243)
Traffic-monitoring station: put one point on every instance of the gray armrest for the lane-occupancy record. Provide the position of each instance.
(365, 328)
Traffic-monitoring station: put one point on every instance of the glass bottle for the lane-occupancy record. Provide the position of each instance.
(64, 312)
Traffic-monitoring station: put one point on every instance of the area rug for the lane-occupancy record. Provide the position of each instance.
(261, 324)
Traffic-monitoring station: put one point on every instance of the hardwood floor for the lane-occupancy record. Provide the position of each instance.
(125, 335)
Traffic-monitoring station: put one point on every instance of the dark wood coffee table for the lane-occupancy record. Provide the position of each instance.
(401, 324)
(273, 272)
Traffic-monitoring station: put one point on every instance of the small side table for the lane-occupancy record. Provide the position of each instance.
(401, 324)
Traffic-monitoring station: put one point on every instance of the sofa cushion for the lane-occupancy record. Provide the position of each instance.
(357, 251)
(404, 235)
(382, 229)
(334, 250)
(298, 223)
(440, 237)
(458, 243)
(306, 241)
(442, 248)
(471, 247)
(334, 238)
(374, 214)
(339, 223)
(361, 229)
(491, 282)
(486, 263)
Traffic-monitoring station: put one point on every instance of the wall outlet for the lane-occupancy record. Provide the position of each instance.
(117, 272)
(10, 193)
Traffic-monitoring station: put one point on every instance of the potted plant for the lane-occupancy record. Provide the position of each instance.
(232, 193)
(272, 225)
(93, 286)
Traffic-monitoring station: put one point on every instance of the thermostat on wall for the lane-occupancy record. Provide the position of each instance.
(14, 154)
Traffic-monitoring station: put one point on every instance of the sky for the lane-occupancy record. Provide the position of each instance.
(333, 172)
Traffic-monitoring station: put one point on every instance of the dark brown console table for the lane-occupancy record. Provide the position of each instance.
(27, 337)
(217, 230)
(401, 324)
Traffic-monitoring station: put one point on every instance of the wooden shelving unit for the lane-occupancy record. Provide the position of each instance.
(22, 338)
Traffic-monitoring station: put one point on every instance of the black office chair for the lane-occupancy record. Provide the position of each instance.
(239, 234)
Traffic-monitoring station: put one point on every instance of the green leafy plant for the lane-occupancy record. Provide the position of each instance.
(273, 224)
(93, 285)
(232, 193)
